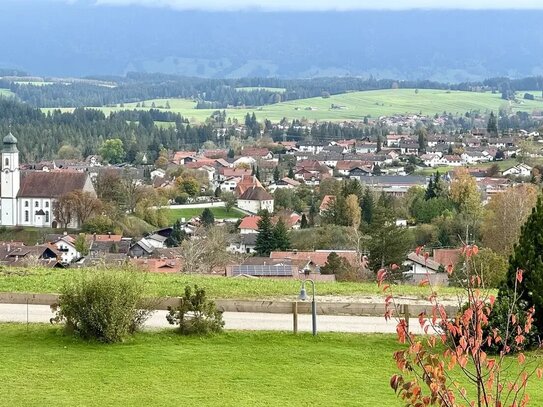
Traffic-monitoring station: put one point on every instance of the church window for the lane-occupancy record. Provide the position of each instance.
(47, 217)
(36, 204)
(26, 216)
(47, 204)
(26, 204)
(7, 162)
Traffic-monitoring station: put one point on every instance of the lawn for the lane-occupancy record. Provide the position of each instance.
(219, 213)
(503, 165)
(42, 367)
(43, 280)
(356, 105)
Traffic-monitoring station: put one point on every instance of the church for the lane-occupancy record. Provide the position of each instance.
(28, 198)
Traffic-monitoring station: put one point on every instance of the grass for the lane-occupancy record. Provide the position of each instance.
(219, 213)
(43, 367)
(503, 165)
(357, 105)
(45, 280)
(269, 89)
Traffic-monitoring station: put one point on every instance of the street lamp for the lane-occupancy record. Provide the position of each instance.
(303, 297)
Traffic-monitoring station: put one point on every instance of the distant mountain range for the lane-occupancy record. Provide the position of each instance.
(55, 39)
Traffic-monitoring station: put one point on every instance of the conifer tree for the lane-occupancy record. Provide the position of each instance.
(304, 224)
(367, 205)
(265, 239)
(207, 217)
(281, 240)
(276, 174)
(290, 173)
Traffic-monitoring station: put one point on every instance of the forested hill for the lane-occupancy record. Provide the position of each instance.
(77, 39)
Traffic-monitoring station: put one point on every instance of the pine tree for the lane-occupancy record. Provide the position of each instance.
(177, 235)
(207, 218)
(367, 205)
(492, 126)
(304, 223)
(281, 240)
(265, 239)
(290, 173)
(527, 256)
(376, 170)
(276, 175)
(313, 212)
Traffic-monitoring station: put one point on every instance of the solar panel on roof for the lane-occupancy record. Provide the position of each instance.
(262, 270)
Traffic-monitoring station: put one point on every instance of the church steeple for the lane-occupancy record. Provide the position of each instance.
(10, 144)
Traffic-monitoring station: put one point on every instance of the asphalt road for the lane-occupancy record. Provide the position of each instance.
(234, 320)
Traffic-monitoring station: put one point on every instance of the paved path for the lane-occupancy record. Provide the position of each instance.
(234, 320)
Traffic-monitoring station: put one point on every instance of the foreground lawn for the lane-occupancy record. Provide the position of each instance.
(41, 367)
(42, 280)
(219, 213)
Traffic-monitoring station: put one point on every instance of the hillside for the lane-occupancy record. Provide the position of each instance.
(355, 105)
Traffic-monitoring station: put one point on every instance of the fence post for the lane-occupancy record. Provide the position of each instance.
(295, 317)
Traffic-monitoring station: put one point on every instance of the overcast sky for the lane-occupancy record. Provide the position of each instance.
(307, 5)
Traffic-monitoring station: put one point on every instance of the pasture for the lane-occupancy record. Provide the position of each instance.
(47, 280)
(354, 105)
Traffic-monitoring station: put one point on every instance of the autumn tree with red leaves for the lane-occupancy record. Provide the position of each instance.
(455, 346)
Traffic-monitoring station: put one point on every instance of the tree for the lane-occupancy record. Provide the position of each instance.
(207, 218)
(229, 200)
(84, 205)
(430, 365)
(177, 236)
(112, 151)
(421, 136)
(504, 216)
(340, 267)
(206, 251)
(265, 239)
(68, 152)
(376, 170)
(63, 211)
(492, 126)
(367, 205)
(81, 244)
(353, 212)
(436, 187)
(290, 172)
(304, 224)
(465, 193)
(281, 240)
(276, 175)
(527, 256)
(493, 170)
(100, 224)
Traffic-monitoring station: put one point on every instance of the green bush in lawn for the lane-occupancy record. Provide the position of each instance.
(104, 305)
(196, 314)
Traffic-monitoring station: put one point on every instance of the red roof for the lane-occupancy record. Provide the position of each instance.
(318, 257)
(326, 202)
(247, 182)
(255, 152)
(250, 222)
(447, 256)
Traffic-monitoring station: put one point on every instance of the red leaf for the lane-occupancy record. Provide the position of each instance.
(450, 269)
(475, 249)
(519, 275)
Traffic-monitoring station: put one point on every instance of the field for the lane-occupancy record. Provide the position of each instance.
(250, 88)
(42, 367)
(44, 280)
(356, 105)
(219, 213)
(503, 165)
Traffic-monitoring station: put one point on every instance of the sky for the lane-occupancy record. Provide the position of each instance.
(322, 5)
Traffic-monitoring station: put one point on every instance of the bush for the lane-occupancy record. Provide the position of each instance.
(103, 305)
(196, 314)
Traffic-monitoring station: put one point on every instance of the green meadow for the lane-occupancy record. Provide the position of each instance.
(219, 213)
(355, 105)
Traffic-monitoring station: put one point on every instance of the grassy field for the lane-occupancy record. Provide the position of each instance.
(43, 280)
(503, 165)
(356, 105)
(219, 213)
(41, 367)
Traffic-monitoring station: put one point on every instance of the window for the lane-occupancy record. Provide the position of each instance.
(26, 216)
(7, 162)
(47, 204)
(36, 204)
(46, 216)
(26, 204)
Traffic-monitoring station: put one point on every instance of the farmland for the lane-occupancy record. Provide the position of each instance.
(355, 105)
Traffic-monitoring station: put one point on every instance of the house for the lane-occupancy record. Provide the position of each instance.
(27, 198)
(65, 245)
(284, 183)
(226, 172)
(393, 140)
(317, 257)
(255, 199)
(258, 153)
(422, 268)
(359, 172)
(452, 160)
(325, 204)
(519, 170)
(394, 185)
(158, 172)
(366, 148)
(249, 225)
(246, 182)
(343, 167)
(19, 255)
(431, 160)
(158, 265)
(184, 157)
(311, 147)
(243, 243)
(409, 147)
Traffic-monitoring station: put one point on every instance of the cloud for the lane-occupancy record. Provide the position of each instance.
(323, 5)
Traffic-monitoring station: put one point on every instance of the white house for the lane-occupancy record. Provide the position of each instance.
(230, 184)
(285, 183)
(519, 170)
(66, 246)
(28, 199)
(255, 199)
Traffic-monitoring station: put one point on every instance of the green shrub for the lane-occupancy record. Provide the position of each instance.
(103, 305)
(196, 314)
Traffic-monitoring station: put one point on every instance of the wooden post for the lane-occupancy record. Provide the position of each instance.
(295, 317)
(406, 316)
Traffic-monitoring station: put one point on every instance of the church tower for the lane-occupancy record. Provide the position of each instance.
(10, 179)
